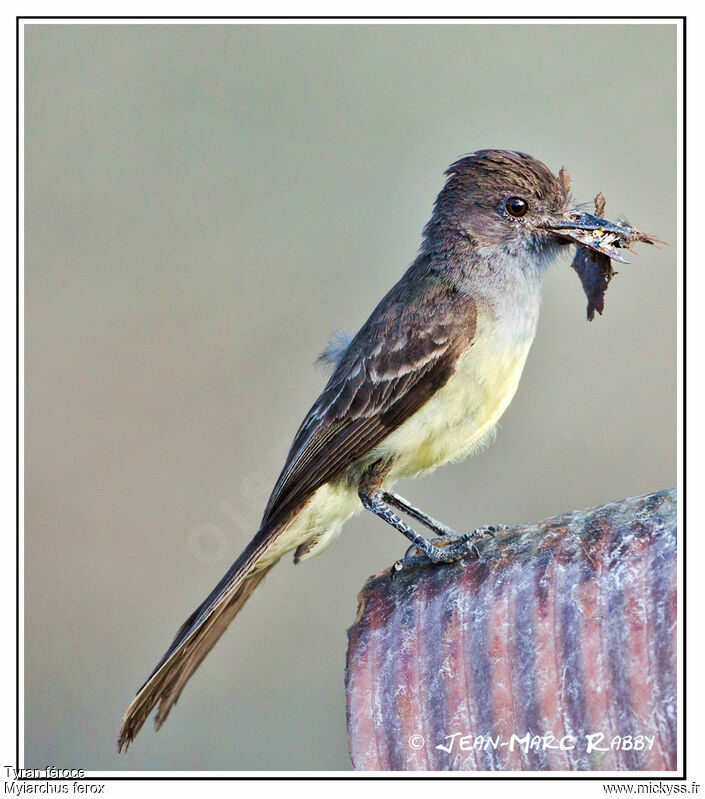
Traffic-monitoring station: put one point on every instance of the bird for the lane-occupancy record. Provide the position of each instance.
(422, 384)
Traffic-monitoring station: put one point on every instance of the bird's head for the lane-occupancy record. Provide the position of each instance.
(511, 203)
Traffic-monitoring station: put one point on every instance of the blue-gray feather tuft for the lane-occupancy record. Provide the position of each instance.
(335, 350)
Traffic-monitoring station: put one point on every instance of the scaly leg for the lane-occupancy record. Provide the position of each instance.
(441, 530)
(460, 547)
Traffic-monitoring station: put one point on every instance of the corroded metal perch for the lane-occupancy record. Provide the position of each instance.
(555, 651)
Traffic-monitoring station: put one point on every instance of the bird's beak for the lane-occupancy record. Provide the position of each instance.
(595, 233)
(599, 242)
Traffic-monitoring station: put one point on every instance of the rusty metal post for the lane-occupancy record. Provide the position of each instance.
(556, 650)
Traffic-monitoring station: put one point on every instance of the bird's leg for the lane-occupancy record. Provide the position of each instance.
(460, 547)
(440, 529)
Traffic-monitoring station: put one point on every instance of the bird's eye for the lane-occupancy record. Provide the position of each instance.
(516, 206)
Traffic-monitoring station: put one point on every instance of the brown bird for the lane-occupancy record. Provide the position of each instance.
(422, 383)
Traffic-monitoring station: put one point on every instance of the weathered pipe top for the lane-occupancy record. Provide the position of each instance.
(556, 650)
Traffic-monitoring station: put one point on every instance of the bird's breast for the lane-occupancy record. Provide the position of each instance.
(460, 418)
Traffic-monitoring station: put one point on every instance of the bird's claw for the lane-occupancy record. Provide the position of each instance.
(488, 531)
(449, 551)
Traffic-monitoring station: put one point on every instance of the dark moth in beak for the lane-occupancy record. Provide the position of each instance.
(599, 243)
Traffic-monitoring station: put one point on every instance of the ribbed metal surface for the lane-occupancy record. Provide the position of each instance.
(566, 628)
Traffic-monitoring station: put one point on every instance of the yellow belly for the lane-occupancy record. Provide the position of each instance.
(460, 418)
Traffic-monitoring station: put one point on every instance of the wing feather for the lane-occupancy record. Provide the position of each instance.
(405, 352)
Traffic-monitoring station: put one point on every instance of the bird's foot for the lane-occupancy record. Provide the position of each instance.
(447, 549)
(448, 542)
(436, 548)
(489, 531)
(440, 550)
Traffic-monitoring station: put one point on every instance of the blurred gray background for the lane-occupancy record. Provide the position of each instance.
(204, 206)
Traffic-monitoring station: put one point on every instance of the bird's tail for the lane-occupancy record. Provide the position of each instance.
(195, 639)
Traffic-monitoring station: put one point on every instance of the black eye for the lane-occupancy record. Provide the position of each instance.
(516, 206)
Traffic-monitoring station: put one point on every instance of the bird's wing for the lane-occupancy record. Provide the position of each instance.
(405, 352)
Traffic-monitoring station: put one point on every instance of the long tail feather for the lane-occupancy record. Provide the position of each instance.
(194, 640)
